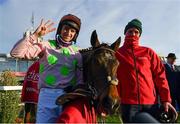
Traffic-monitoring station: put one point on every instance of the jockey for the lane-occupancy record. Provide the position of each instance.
(58, 60)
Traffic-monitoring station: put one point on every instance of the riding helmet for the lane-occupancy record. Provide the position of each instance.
(72, 21)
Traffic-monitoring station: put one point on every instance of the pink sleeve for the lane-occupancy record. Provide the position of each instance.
(27, 48)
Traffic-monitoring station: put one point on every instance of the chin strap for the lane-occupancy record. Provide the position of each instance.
(60, 42)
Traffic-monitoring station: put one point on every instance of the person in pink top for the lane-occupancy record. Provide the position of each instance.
(59, 62)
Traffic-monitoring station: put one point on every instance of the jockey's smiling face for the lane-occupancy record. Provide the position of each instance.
(67, 33)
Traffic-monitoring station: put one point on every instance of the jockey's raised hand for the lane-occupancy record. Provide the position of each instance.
(44, 28)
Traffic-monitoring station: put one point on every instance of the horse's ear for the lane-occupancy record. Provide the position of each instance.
(116, 44)
(94, 39)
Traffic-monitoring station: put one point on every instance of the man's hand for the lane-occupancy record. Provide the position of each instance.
(44, 28)
(167, 106)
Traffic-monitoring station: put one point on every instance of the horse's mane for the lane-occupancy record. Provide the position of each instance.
(92, 48)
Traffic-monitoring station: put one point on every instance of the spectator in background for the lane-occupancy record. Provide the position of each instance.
(178, 88)
(172, 74)
(30, 92)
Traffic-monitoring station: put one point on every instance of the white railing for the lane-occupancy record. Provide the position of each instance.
(5, 88)
(8, 88)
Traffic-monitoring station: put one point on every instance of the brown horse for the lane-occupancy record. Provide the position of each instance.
(99, 92)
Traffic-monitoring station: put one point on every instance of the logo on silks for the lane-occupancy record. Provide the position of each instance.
(32, 76)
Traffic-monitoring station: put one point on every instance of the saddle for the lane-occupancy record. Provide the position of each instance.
(78, 92)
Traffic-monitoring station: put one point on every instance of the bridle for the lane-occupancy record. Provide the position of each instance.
(91, 80)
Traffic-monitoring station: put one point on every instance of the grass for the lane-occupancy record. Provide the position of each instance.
(110, 119)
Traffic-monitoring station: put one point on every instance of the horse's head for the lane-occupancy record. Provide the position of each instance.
(99, 67)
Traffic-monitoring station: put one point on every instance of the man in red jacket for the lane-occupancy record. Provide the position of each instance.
(141, 76)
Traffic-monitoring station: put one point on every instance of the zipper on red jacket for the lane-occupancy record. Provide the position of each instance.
(137, 79)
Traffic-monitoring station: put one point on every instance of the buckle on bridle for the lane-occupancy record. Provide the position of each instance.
(112, 80)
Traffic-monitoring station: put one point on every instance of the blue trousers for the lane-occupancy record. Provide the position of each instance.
(47, 110)
(129, 111)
